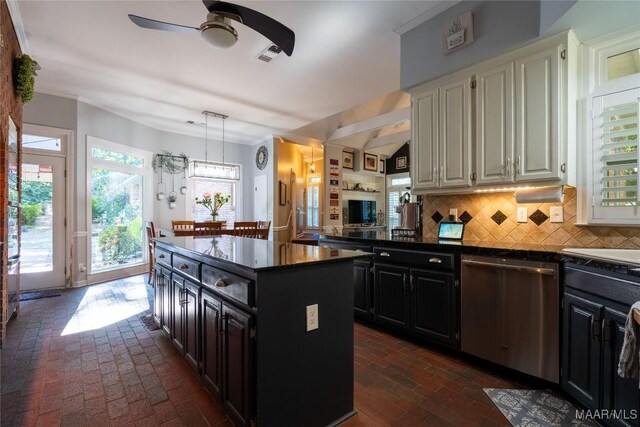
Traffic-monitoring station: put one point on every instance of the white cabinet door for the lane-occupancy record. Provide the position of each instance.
(455, 134)
(494, 118)
(537, 154)
(424, 143)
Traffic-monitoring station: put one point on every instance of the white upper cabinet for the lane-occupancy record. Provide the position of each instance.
(455, 134)
(494, 125)
(441, 129)
(424, 156)
(538, 110)
(524, 129)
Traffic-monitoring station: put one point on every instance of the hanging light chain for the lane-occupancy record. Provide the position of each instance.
(206, 129)
(206, 134)
(223, 119)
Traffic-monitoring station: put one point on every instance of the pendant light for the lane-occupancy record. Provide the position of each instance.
(213, 170)
(312, 168)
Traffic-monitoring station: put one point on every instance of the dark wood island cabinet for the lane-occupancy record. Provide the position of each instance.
(236, 308)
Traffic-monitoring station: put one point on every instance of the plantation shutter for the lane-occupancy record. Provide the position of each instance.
(616, 156)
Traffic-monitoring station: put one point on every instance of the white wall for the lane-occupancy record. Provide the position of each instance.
(85, 119)
(498, 26)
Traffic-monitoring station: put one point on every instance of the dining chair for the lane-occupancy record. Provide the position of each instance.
(182, 225)
(207, 228)
(245, 224)
(151, 233)
(263, 229)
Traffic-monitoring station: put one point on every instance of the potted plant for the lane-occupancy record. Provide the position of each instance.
(455, 35)
(172, 199)
(24, 69)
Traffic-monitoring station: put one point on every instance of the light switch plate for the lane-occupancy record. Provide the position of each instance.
(522, 214)
(312, 317)
(556, 214)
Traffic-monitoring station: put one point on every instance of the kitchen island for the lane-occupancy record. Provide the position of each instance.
(267, 326)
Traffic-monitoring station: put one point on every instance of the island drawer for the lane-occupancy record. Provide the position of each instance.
(230, 285)
(430, 260)
(186, 266)
(162, 256)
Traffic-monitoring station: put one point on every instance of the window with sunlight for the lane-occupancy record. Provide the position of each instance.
(227, 188)
(117, 180)
(313, 201)
(396, 187)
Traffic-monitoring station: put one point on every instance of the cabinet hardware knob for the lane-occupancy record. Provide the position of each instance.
(435, 260)
(385, 254)
(503, 347)
(183, 266)
(220, 283)
(161, 256)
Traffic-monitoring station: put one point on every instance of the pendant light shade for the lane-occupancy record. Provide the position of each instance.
(204, 169)
(213, 170)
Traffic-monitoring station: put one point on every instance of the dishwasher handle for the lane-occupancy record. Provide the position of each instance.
(544, 271)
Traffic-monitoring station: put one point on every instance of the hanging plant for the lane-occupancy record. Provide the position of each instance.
(24, 70)
(170, 162)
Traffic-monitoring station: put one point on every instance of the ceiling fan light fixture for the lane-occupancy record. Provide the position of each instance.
(218, 32)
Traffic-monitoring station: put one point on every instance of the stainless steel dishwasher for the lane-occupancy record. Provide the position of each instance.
(510, 313)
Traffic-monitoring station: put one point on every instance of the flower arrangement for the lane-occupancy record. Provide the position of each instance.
(213, 203)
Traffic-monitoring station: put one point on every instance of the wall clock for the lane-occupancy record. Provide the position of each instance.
(262, 156)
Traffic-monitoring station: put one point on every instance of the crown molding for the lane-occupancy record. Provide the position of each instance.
(16, 19)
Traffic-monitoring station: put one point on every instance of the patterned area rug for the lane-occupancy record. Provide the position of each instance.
(48, 293)
(535, 408)
(149, 323)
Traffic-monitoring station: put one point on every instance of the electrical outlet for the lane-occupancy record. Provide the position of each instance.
(522, 214)
(556, 214)
(312, 317)
(82, 268)
(453, 214)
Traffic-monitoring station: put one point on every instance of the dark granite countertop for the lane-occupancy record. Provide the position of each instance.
(255, 254)
(506, 249)
(473, 247)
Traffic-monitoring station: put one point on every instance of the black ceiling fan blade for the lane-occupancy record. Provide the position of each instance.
(278, 33)
(152, 24)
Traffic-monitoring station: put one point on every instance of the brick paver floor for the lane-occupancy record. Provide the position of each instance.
(85, 358)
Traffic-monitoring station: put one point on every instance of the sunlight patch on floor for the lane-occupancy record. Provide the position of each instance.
(108, 303)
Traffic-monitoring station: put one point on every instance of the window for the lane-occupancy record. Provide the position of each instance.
(396, 186)
(612, 92)
(313, 201)
(41, 142)
(226, 213)
(615, 157)
(623, 64)
(118, 177)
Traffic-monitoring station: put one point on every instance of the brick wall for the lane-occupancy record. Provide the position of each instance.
(491, 218)
(10, 105)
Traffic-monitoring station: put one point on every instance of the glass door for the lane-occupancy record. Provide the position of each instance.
(43, 222)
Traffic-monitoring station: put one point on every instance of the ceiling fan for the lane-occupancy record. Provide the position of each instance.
(217, 29)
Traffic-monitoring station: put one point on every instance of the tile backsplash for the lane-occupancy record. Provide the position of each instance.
(491, 218)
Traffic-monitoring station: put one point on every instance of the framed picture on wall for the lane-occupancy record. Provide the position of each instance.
(347, 160)
(370, 162)
(381, 170)
(401, 162)
(283, 193)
